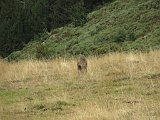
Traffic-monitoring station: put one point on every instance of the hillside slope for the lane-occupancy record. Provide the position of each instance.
(123, 25)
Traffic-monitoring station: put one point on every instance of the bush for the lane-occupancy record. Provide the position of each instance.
(42, 52)
(119, 37)
(102, 50)
(131, 36)
(124, 35)
(14, 56)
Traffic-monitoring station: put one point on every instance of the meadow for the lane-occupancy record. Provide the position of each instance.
(117, 86)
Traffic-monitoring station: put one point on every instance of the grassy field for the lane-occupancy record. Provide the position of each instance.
(117, 86)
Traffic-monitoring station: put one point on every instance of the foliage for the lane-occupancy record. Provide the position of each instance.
(41, 51)
(79, 16)
(22, 20)
(124, 35)
(116, 26)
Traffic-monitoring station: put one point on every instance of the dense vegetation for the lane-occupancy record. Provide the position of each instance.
(118, 25)
(21, 20)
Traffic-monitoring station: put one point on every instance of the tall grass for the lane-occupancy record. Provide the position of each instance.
(117, 86)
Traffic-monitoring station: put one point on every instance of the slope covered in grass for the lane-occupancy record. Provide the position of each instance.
(122, 25)
(116, 87)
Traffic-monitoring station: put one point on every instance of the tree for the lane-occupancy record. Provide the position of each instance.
(21, 20)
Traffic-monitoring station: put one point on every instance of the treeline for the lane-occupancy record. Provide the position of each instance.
(21, 20)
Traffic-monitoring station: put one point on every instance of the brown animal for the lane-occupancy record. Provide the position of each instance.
(82, 64)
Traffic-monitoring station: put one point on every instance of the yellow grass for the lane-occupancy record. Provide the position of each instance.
(117, 86)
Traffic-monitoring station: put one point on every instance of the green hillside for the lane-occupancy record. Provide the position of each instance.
(122, 25)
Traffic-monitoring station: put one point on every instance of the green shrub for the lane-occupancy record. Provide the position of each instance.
(131, 36)
(119, 37)
(14, 56)
(124, 35)
(42, 52)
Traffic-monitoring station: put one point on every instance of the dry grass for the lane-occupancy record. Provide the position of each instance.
(116, 87)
